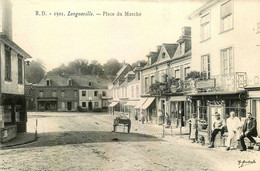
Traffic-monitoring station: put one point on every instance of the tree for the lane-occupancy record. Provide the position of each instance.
(111, 67)
(35, 71)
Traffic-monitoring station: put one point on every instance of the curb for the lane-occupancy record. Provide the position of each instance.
(18, 144)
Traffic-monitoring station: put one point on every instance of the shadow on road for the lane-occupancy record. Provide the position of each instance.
(79, 137)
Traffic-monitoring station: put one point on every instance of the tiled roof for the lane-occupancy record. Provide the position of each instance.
(77, 80)
(119, 73)
(170, 48)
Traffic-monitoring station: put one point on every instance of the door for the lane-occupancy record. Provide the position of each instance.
(69, 105)
(89, 105)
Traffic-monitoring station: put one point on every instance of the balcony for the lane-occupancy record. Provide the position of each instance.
(232, 82)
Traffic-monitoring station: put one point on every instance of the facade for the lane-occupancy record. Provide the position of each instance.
(126, 90)
(69, 93)
(227, 51)
(13, 115)
(163, 78)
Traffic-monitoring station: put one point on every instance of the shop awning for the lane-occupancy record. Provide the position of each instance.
(113, 104)
(148, 102)
(131, 103)
(178, 98)
(140, 103)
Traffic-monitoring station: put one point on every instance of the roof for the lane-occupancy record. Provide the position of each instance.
(14, 46)
(170, 48)
(77, 80)
(121, 71)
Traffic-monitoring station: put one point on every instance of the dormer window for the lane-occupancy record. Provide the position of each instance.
(69, 82)
(163, 55)
(48, 82)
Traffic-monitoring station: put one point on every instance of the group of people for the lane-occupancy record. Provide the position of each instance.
(237, 131)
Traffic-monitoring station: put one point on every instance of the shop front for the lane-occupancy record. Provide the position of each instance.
(205, 105)
(113, 107)
(149, 109)
(254, 103)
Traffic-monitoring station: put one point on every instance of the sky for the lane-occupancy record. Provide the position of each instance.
(57, 40)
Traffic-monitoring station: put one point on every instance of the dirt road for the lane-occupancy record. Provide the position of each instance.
(76, 141)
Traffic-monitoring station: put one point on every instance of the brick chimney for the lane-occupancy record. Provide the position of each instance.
(6, 18)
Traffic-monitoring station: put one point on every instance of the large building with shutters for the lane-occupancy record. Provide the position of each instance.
(13, 114)
(226, 47)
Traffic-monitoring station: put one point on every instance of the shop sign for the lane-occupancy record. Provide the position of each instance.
(210, 83)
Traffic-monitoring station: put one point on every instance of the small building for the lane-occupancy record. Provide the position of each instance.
(13, 114)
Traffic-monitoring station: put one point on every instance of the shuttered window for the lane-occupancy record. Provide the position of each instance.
(226, 16)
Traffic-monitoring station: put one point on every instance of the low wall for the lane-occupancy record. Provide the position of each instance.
(8, 133)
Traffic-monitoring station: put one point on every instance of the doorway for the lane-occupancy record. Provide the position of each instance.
(90, 106)
(69, 105)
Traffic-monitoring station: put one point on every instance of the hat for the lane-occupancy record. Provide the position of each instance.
(217, 114)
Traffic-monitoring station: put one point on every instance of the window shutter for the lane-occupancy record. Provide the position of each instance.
(226, 9)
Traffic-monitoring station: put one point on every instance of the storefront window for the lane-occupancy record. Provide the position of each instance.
(237, 106)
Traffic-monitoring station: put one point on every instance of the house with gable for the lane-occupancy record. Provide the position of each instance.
(164, 73)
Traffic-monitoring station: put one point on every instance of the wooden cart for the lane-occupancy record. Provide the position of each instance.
(126, 122)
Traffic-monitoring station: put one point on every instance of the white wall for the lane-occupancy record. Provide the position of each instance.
(11, 87)
(243, 38)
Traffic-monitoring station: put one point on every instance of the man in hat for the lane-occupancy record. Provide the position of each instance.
(218, 126)
(249, 130)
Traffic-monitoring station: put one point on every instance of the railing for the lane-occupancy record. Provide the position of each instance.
(231, 82)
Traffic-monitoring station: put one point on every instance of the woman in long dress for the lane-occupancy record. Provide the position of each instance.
(194, 128)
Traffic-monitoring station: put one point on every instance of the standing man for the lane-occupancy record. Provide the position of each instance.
(218, 126)
(249, 130)
(233, 123)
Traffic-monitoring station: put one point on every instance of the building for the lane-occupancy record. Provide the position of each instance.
(13, 115)
(126, 90)
(163, 80)
(227, 51)
(69, 93)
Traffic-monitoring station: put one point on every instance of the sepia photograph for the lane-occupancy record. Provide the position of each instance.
(130, 85)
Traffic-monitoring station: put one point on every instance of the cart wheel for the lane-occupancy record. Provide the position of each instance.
(114, 128)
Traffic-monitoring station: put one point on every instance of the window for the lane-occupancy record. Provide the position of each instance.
(163, 55)
(69, 82)
(83, 93)
(205, 65)
(54, 93)
(8, 66)
(83, 104)
(104, 93)
(90, 84)
(62, 93)
(41, 93)
(227, 61)
(95, 93)
(63, 105)
(137, 91)
(226, 16)
(125, 91)
(177, 74)
(152, 79)
(75, 93)
(95, 104)
(186, 71)
(205, 27)
(48, 82)
(20, 69)
(146, 84)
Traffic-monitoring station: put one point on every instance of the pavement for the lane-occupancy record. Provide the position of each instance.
(21, 139)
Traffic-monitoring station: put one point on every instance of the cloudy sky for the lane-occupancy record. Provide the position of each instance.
(58, 40)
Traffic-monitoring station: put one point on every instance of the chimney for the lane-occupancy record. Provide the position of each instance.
(6, 18)
(186, 31)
